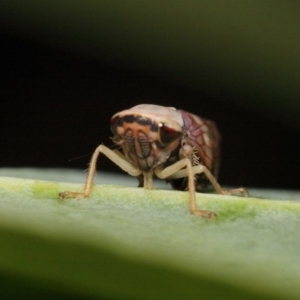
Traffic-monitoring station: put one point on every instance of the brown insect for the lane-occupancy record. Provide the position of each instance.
(172, 144)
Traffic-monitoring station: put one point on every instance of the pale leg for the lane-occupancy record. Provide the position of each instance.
(114, 155)
(173, 170)
(148, 180)
(202, 169)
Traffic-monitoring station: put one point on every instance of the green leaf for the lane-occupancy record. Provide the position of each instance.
(130, 243)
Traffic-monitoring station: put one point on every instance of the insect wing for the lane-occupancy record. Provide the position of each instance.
(204, 137)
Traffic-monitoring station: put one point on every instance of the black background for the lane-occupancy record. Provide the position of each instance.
(56, 107)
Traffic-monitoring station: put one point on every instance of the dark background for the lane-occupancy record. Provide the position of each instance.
(56, 107)
(67, 67)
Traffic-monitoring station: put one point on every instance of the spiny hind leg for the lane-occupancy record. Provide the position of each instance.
(241, 191)
(202, 169)
(171, 171)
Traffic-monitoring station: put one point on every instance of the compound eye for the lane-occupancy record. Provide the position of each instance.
(168, 134)
(114, 123)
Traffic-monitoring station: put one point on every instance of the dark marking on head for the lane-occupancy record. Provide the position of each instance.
(143, 121)
(134, 118)
(128, 119)
(117, 121)
(154, 127)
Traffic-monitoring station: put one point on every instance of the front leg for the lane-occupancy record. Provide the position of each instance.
(114, 155)
(172, 170)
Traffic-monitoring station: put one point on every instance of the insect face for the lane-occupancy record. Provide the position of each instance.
(146, 134)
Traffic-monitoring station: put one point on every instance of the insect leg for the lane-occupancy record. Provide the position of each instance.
(202, 169)
(189, 172)
(114, 155)
(148, 180)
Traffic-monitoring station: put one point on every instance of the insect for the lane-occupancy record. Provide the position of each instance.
(172, 144)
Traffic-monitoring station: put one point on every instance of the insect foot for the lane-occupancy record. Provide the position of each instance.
(67, 194)
(205, 213)
(241, 191)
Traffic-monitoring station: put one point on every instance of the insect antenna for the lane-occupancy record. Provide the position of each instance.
(80, 156)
